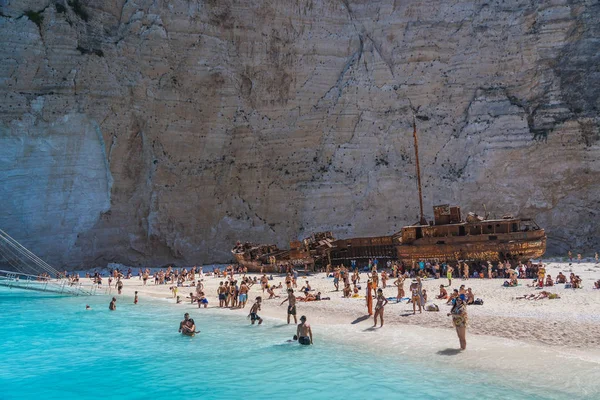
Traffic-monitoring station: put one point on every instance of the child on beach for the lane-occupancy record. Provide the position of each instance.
(254, 310)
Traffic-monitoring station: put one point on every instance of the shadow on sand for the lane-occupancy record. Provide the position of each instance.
(360, 319)
(449, 352)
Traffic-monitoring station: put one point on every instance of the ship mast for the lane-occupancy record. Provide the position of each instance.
(422, 219)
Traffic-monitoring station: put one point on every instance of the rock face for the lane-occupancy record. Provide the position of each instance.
(147, 132)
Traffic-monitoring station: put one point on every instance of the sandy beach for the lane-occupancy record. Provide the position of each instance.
(571, 321)
(505, 334)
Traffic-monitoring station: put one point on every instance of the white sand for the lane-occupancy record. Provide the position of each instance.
(571, 321)
(541, 333)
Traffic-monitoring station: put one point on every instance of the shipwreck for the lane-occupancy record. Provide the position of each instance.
(448, 238)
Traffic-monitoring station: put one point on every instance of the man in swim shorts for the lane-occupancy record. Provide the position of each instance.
(253, 311)
(243, 295)
(113, 304)
(304, 332)
(291, 305)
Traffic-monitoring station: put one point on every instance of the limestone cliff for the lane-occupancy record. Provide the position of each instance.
(159, 131)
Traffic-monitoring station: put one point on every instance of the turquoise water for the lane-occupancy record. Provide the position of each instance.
(52, 348)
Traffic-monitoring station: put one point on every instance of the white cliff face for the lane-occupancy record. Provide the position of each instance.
(153, 132)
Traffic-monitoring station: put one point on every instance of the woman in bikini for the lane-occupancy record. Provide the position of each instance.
(369, 297)
(400, 285)
(415, 298)
(375, 278)
(381, 302)
(459, 320)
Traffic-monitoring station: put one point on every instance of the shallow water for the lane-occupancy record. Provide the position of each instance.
(52, 348)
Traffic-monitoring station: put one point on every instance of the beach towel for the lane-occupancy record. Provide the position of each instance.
(394, 298)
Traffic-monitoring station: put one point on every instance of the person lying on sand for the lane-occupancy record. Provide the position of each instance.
(539, 296)
(313, 297)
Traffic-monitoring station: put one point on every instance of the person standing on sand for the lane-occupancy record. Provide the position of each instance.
(449, 275)
(375, 277)
(304, 332)
(369, 297)
(489, 270)
(243, 295)
(596, 257)
(399, 283)
(466, 270)
(113, 304)
(415, 297)
(459, 320)
(420, 287)
(291, 299)
(336, 279)
(221, 293)
(381, 302)
(384, 278)
(119, 286)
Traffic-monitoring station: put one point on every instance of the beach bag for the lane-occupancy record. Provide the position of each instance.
(478, 302)
(432, 307)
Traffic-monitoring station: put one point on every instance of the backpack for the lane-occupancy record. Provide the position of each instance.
(478, 302)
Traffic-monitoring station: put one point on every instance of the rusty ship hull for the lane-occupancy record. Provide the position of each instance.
(516, 246)
(448, 238)
(268, 258)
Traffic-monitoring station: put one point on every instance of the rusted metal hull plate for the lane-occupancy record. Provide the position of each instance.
(475, 251)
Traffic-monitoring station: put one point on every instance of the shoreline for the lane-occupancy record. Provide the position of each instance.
(499, 356)
(565, 322)
(504, 336)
